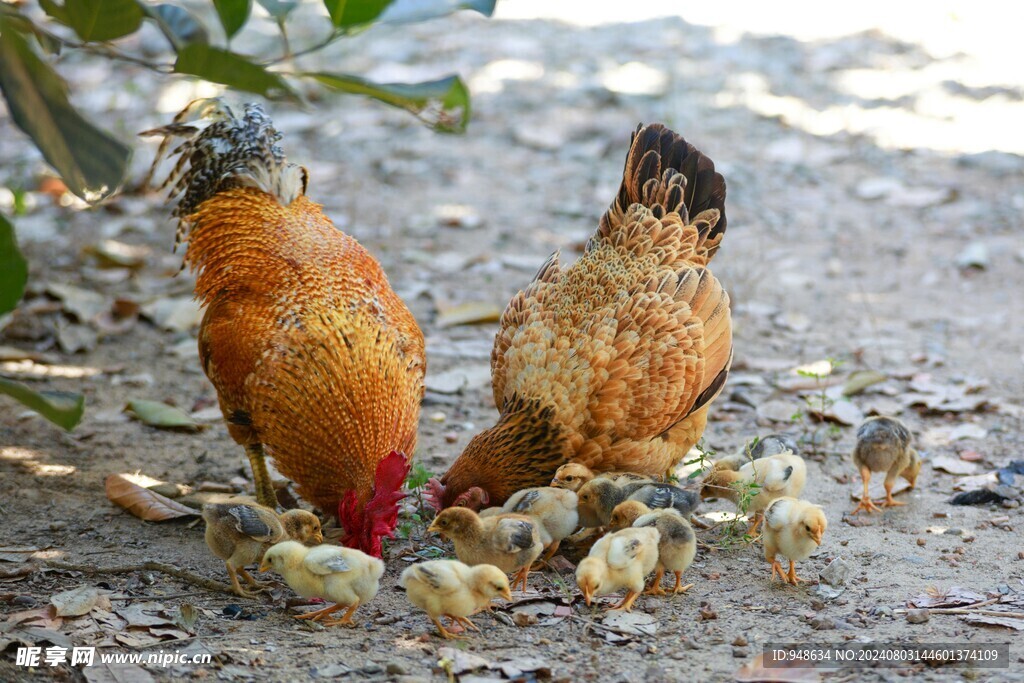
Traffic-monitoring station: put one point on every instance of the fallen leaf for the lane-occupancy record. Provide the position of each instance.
(862, 379)
(461, 662)
(637, 623)
(948, 463)
(114, 254)
(517, 668)
(469, 313)
(777, 410)
(73, 338)
(84, 304)
(843, 412)
(986, 620)
(169, 633)
(954, 596)
(977, 481)
(40, 616)
(161, 415)
(143, 503)
(187, 617)
(177, 314)
(79, 601)
(145, 614)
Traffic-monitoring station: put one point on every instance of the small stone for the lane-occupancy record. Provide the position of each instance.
(918, 616)
(921, 542)
(836, 573)
(707, 613)
(883, 611)
(451, 437)
(438, 417)
(59, 525)
(396, 669)
(740, 641)
(954, 532)
(23, 601)
(739, 652)
(823, 624)
(817, 604)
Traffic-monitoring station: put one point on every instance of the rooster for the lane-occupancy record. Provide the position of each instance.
(612, 362)
(316, 361)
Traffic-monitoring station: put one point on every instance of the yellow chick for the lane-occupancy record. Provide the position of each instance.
(509, 542)
(345, 576)
(554, 510)
(676, 548)
(792, 528)
(598, 497)
(883, 445)
(622, 559)
(574, 475)
(239, 533)
(783, 474)
(453, 589)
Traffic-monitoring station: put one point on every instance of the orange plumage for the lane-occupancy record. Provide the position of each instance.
(613, 361)
(314, 357)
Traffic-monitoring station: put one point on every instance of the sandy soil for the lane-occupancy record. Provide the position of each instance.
(840, 244)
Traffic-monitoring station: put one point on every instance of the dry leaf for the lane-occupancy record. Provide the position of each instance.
(81, 303)
(17, 553)
(145, 614)
(142, 502)
(177, 314)
(469, 313)
(988, 620)
(461, 662)
(862, 379)
(40, 616)
(636, 623)
(114, 254)
(954, 596)
(79, 601)
(116, 673)
(952, 465)
(755, 672)
(161, 415)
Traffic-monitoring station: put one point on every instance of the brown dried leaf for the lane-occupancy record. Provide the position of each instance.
(142, 502)
(39, 616)
(755, 672)
(948, 463)
(145, 614)
(954, 596)
(116, 673)
(17, 553)
(79, 601)
(988, 620)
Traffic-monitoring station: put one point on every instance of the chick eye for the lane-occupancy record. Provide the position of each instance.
(570, 478)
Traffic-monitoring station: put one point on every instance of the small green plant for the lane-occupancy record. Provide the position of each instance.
(703, 462)
(413, 521)
(817, 404)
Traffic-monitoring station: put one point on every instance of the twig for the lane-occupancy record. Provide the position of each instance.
(151, 566)
(971, 609)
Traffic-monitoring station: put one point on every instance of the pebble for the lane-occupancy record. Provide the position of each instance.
(883, 611)
(23, 601)
(823, 624)
(817, 604)
(739, 652)
(740, 641)
(918, 616)
(396, 669)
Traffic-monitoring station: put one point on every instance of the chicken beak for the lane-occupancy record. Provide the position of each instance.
(816, 537)
(588, 594)
(507, 594)
(319, 538)
(432, 529)
(264, 567)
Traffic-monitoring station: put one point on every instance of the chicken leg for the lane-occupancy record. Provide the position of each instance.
(679, 588)
(889, 501)
(265, 494)
(520, 578)
(866, 503)
(777, 568)
(235, 585)
(655, 587)
(627, 602)
(447, 635)
(346, 618)
(320, 613)
(792, 577)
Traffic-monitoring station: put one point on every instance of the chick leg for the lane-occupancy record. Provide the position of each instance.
(754, 523)
(249, 579)
(464, 621)
(520, 578)
(237, 587)
(548, 554)
(792, 577)
(447, 635)
(777, 568)
(320, 613)
(889, 501)
(627, 602)
(655, 587)
(346, 618)
(678, 588)
(865, 502)
(265, 494)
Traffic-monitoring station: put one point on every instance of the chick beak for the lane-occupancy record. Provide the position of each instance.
(318, 537)
(556, 483)
(432, 529)
(588, 594)
(507, 594)
(264, 567)
(816, 536)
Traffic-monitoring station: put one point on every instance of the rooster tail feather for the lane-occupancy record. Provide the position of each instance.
(666, 174)
(228, 152)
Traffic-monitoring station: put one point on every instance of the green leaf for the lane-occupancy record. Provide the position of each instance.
(233, 15)
(47, 41)
(91, 161)
(101, 20)
(443, 104)
(412, 11)
(55, 11)
(279, 9)
(178, 25)
(13, 269)
(157, 414)
(349, 13)
(62, 408)
(228, 68)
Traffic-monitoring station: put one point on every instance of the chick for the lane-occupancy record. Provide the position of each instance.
(757, 448)
(239, 534)
(793, 528)
(554, 510)
(345, 576)
(598, 497)
(453, 589)
(778, 475)
(509, 542)
(622, 559)
(883, 445)
(574, 475)
(678, 544)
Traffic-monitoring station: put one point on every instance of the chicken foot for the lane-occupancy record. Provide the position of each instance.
(520, 578)
(346, 618)
(865, 502)
(320, 613)
(447, 635)
(627, 602)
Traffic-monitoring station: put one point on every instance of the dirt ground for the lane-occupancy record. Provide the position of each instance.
(872, 219)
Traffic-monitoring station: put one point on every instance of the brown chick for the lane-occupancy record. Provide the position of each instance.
(598, 498)
(793, 528)
(574, 475)
(757, 448)
(554, 510)
(509, 542)
(240, 533)
(883, 445)
(453, 589)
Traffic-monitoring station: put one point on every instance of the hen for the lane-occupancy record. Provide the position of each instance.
(613, 361)
(315, 359)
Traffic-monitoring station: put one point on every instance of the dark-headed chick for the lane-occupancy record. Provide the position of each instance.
(884, 445)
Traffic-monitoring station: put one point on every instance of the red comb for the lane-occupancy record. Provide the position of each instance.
(365, 528)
